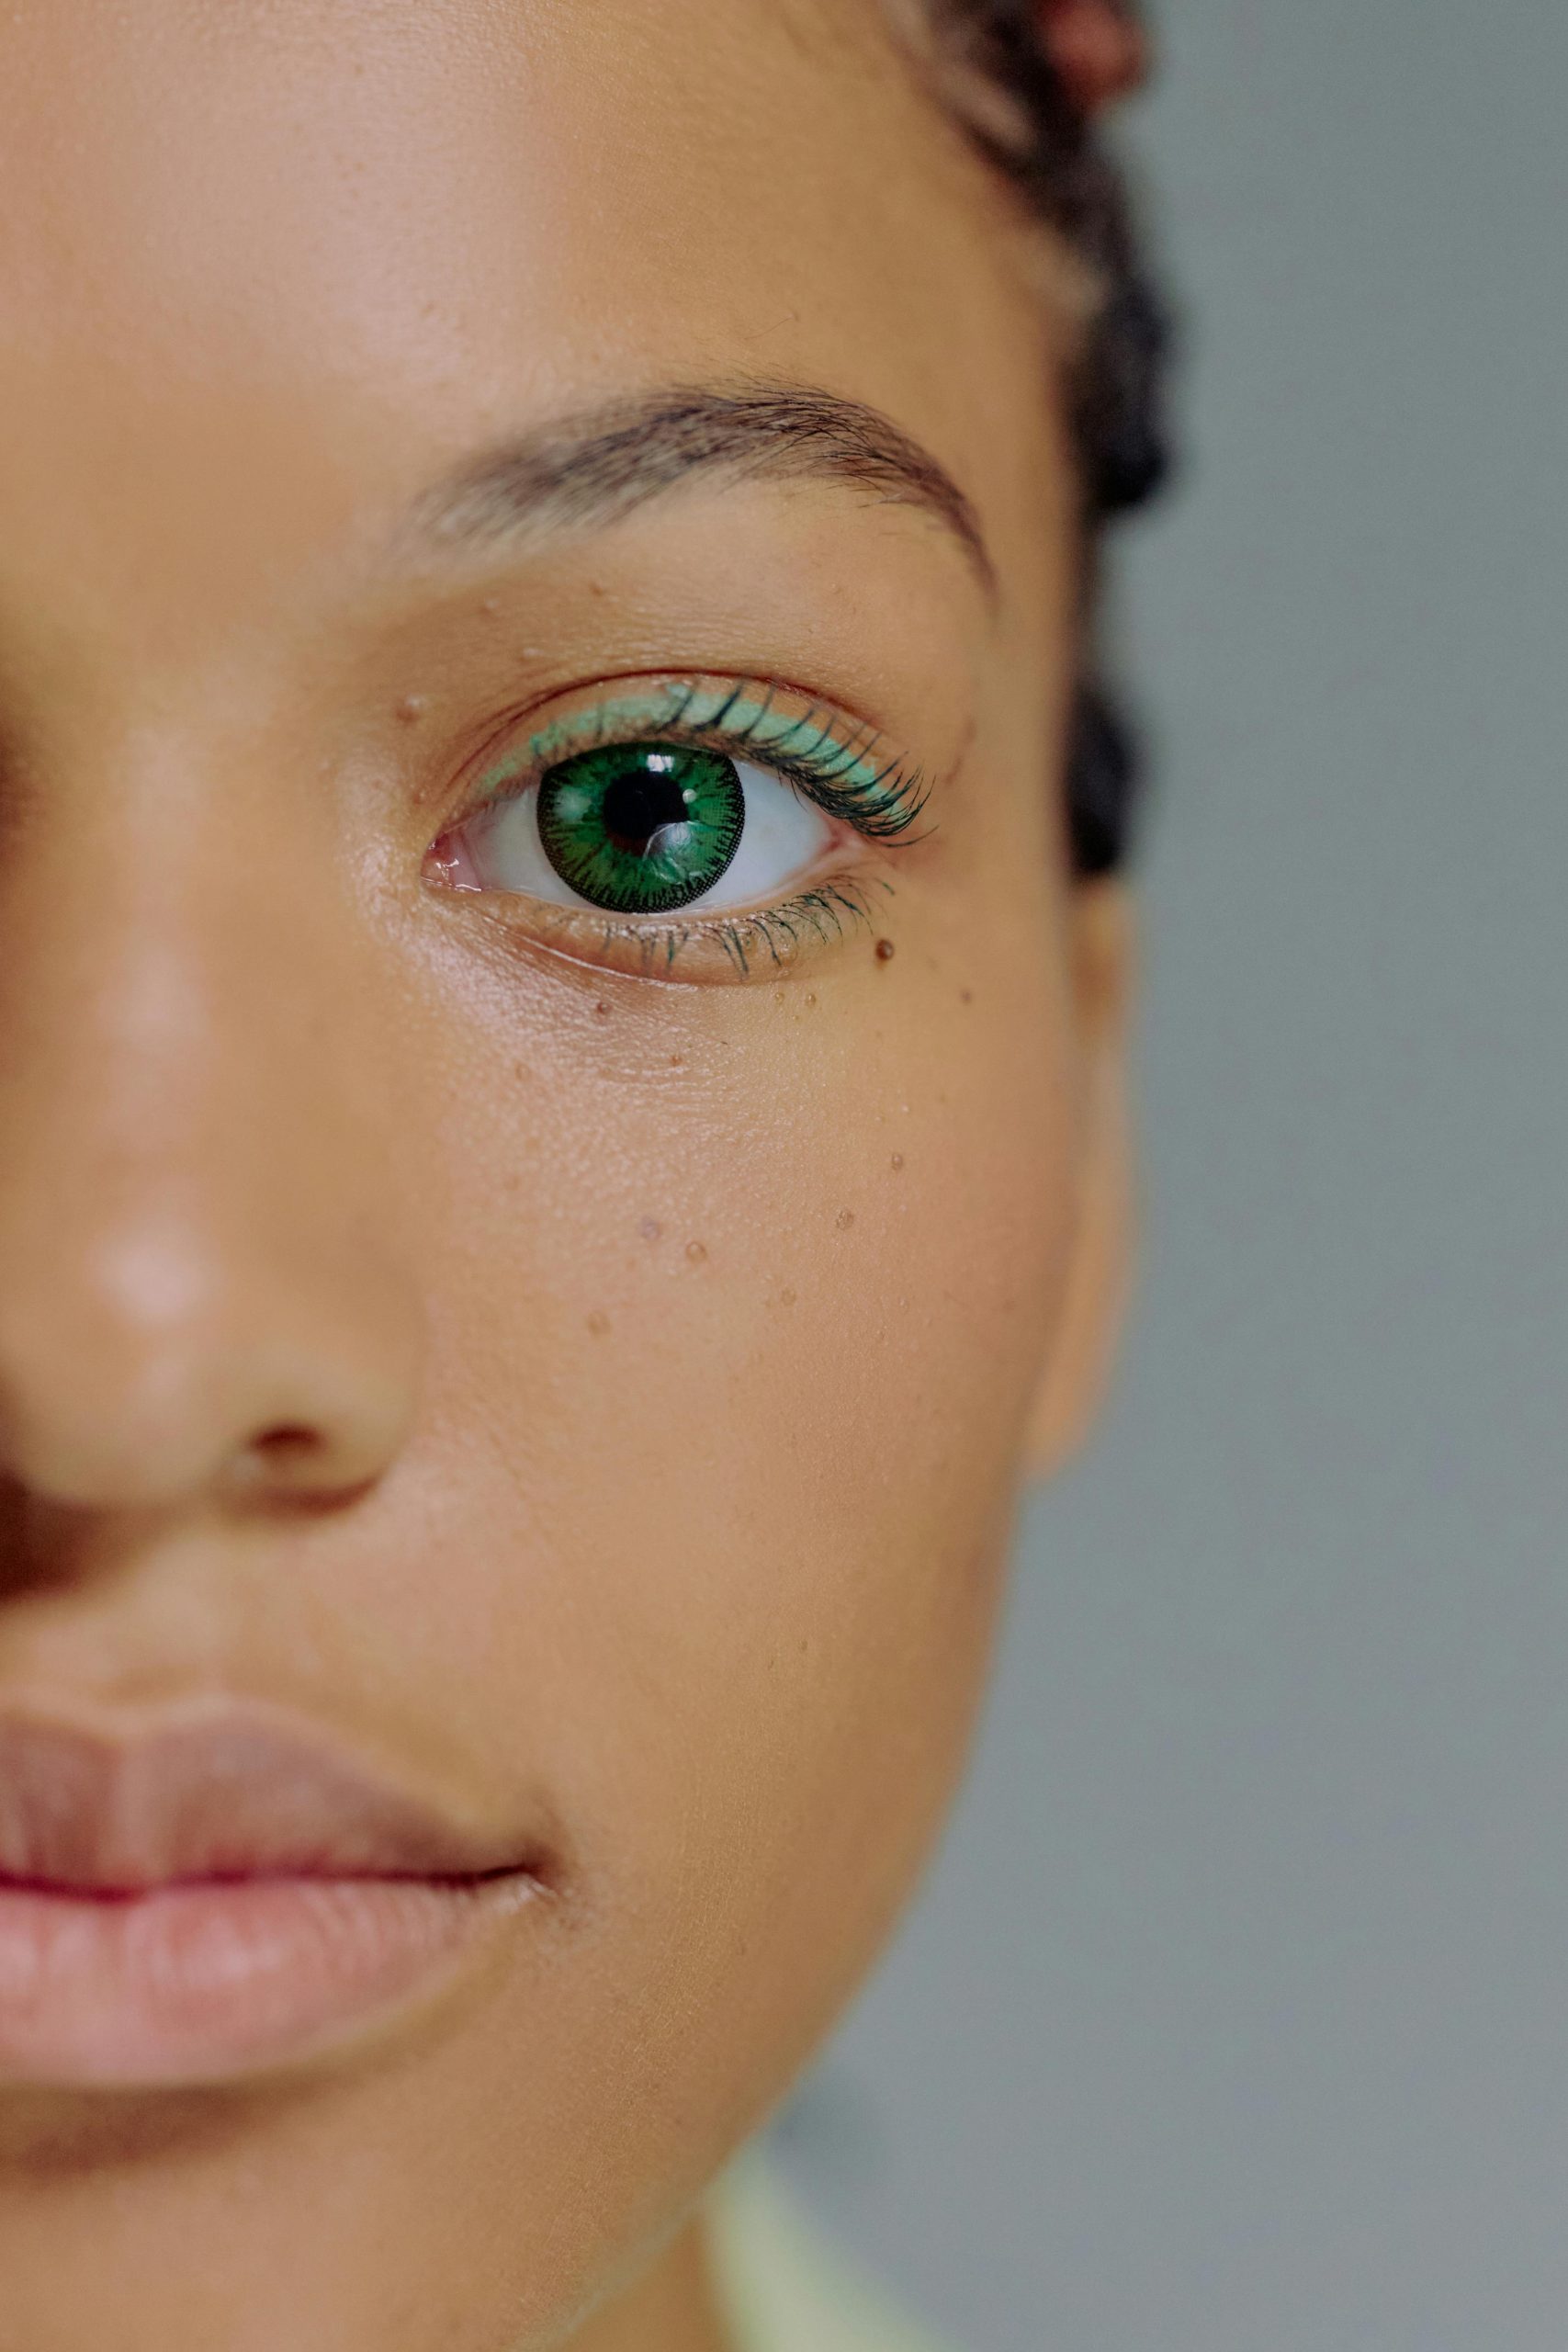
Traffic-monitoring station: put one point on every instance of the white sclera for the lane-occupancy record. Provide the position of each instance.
(782, 837)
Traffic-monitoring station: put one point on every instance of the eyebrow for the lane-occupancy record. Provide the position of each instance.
(597, 465)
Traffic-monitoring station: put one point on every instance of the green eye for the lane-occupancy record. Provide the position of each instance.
(639, 829)
(631, 808)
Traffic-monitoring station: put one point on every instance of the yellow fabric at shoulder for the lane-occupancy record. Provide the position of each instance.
(780, 2288)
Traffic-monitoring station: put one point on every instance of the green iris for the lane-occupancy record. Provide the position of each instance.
(640, 828)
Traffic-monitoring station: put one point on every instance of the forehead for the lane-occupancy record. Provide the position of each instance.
(316, 245)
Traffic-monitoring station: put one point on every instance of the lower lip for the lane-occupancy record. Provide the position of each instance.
(204, 1980)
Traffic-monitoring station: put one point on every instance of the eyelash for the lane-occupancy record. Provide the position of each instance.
(838, 769)
(824, 914)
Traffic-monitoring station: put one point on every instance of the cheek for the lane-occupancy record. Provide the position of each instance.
(741, 1295)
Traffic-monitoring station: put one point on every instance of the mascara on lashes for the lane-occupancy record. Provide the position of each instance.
(843, 773)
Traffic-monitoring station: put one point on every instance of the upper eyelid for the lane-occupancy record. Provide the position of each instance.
(631, 708)
(860, 761)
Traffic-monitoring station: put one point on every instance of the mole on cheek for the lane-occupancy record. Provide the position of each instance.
(886, 951)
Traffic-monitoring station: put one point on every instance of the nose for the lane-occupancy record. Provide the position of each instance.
(203, 1292)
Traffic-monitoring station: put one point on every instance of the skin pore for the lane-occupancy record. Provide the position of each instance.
(589, 1379)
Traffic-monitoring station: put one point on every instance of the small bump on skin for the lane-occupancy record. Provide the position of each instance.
(677, 1061)
(598, 1323)
(786, 1298)
(811, 1001)
(844, 1219)
(412, 709)
(651, 1229)
(897, 1160)
(886, 951)
(602, 1010)
(696, 1251)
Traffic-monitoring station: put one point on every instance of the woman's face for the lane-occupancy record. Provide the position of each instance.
(488, 1287)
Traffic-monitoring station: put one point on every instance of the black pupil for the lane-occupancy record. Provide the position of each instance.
(639, 804)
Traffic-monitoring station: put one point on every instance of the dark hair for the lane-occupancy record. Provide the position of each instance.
(1015, 107)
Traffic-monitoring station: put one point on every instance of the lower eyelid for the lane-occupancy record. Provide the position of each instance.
(740, 945)
(719, 945)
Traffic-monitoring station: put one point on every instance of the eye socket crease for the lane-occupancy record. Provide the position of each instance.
(594, 466)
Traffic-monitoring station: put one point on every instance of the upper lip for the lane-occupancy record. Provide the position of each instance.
(233, 1793)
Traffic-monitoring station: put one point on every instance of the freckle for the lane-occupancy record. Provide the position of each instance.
(886, 951)
(598, 1324)
(898, 1159)
(518, 1071)
(677, 1061)
(844, 1219)
(696, 1251)
(966, 996)
(412, 709)
(651, 1229)
(786, 1298)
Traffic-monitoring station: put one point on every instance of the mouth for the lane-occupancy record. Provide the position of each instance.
(221, 1897)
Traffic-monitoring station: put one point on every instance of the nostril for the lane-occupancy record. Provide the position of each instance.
(289, 1459)
(288, 1449)
(302, 1466)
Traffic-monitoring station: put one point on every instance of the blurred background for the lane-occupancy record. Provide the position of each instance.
(1236, 2013)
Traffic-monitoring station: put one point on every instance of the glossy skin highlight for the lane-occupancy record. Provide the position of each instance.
(597, 1395)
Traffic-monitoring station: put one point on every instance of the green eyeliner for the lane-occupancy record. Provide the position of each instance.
(845, 776)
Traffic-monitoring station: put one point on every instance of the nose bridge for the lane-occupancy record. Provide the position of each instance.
(199, 1236)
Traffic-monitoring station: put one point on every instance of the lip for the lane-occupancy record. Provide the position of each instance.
(221, 1896)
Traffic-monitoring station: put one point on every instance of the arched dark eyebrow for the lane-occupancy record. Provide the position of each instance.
(593, 467)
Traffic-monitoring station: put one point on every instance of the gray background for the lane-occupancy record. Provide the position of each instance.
(1235, 2016)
